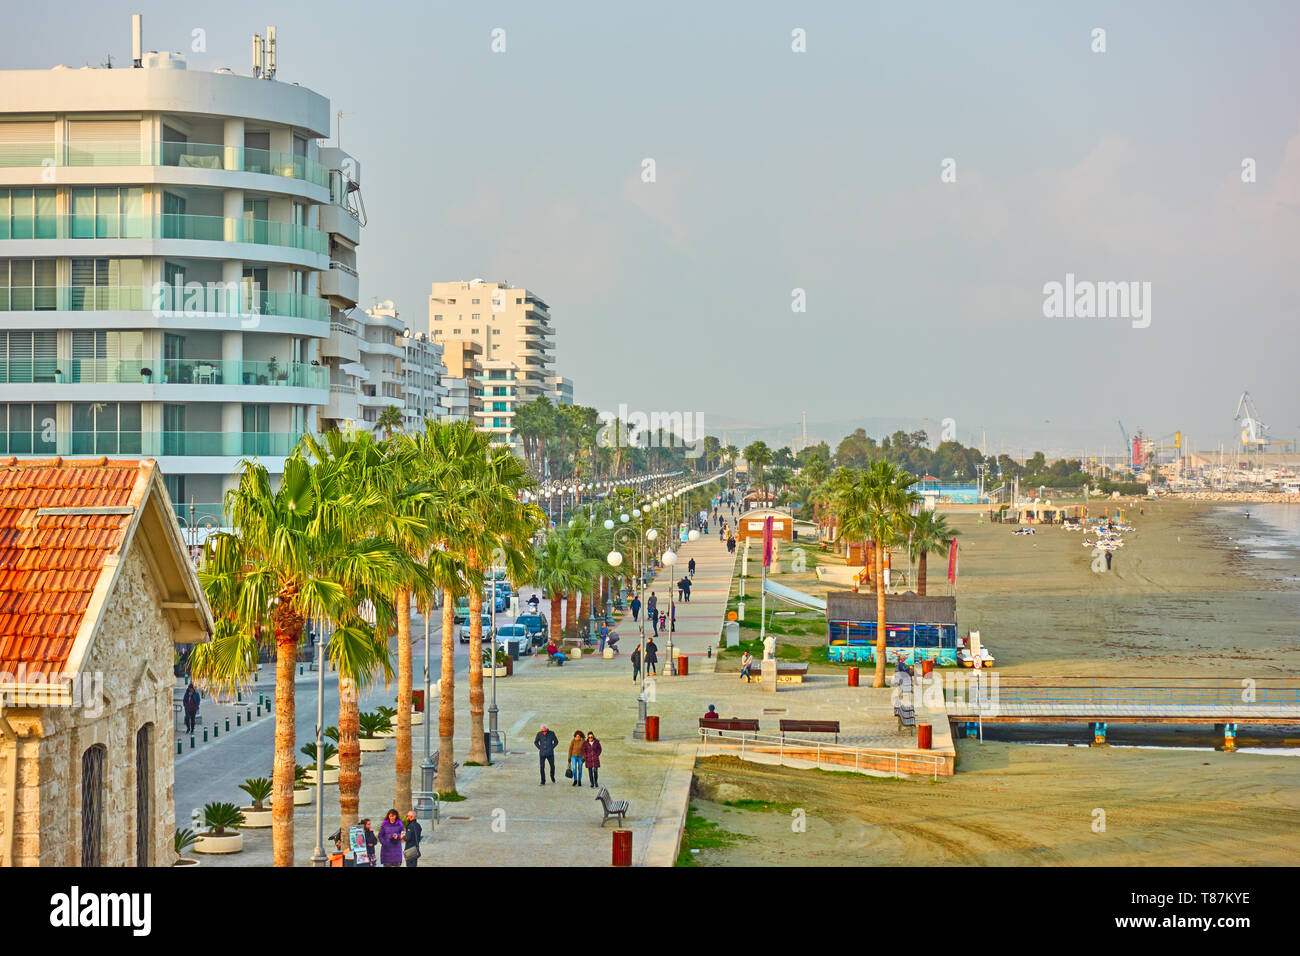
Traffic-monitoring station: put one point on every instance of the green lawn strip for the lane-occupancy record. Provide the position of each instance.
(774, 806)
(703, 834)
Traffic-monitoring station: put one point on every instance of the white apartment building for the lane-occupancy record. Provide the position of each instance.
(398, 368)
(177, 256)
(424, 393)
(560, 390)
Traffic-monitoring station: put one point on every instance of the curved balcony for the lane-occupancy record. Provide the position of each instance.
(190, 372)
(164, 300)
(261, 232)
(191, 155)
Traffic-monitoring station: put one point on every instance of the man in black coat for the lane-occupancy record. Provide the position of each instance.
(190, 702)
(412, 833)
(651, 658)
(546, 742)
(635, 605)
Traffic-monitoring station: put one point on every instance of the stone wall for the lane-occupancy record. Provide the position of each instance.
(133, 653)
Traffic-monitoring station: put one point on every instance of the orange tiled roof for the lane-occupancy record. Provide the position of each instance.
(50, 564)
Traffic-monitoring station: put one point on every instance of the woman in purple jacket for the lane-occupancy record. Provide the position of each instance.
(390, 840)
(591, 758)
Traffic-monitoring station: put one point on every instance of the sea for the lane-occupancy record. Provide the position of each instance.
(1271, 531)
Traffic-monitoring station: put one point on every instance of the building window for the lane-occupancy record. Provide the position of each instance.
(92, 805)
(28, 427)
(28, 356)
(144, 796)
(111, 428)
(28, 285)
(28, 214)
(108, 212)
(437, 318)
(473, 301)
(100, 284)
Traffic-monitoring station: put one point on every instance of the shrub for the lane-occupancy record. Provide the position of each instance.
(374, 722)
(184, 839)
(259, 789)
(309, 750)
(220, 817)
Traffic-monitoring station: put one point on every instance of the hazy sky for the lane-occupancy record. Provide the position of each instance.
(821, 171)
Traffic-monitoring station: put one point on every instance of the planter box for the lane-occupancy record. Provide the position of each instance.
(186, 861)
(230, 843)
(331, 776)
(373, 744)
(302, 797)
(417, 718)
(256, 819)
(496, 671)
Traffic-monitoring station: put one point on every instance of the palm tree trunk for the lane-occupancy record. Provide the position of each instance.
(869, 551)
(349, 753)
(880, 619)
(446, 780)
(556, 627)
(282, 776)
(402, 790)
(920, 575)
(571, 614)
(477, 752)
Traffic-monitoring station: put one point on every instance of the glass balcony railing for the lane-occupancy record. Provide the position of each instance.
(157, 444)
(217, 299)
(192, 155)
(202, 513)
(262, 232)
(192, 372)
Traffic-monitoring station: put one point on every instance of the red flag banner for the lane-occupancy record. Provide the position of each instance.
(952, 562)
(767, 541)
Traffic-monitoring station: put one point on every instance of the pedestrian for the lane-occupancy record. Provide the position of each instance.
(652, 605)
(651, 658)
(673, 614)
(1107, 560)
(686, 585)
(681, 590)
(604, 634)
(546, 742)
(690, 567)
(591, 757)
(191, 705)
(575, 758)
(636, 663)
(371, 840)
(663, 622)
(746, 666)
(636, 608)
(390, 840)
(414, 832)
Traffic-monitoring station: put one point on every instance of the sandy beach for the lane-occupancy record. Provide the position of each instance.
(1186, 596)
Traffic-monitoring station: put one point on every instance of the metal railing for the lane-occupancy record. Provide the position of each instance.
(777, 745)
(1148, 695)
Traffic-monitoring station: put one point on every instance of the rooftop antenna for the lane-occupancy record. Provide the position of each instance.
(137, 40)
(258, 56)
(270, 53)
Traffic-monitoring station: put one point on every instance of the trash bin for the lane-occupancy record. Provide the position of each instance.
(853, 677)
(652, 727)
(926, 667)
(683, 665)
(622, 848)
(418, 696)
(924, 736)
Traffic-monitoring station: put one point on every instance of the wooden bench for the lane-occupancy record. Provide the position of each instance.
(811, 727)
(611, 807)
(730, 723)
(786, 672)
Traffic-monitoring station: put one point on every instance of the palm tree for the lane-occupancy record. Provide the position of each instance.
(929, 532)
(560, 568)
(389, 421)
(503, 528)
(758, 456)
(285, 563)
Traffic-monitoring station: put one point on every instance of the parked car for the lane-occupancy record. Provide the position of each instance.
(515, 639)
(462, 625)
(502, 600)
(536, 627)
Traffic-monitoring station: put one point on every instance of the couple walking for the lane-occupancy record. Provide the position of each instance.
(583, 752)
(651, 660)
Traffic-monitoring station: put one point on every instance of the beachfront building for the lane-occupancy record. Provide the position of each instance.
(561, 390)
(381, 344)
(511, 328)
(749, 526)
(423, 394)
(97, 588)
(917, 628)
(464, 363)
(175, 251)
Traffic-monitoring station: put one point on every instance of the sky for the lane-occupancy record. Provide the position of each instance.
(829, 171)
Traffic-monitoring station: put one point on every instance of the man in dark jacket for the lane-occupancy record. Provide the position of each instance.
(686, 586)
(635, 605)
(636, 662)
(191, 704)
(546, 742)
(412, 832)
(652, 608)
(651, 658)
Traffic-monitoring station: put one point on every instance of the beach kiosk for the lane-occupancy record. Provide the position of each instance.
(749, 527)
(917, 628)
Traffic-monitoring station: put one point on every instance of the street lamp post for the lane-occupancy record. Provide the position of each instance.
(670, 559)
(615, 558)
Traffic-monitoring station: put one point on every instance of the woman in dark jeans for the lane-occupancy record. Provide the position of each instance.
(591, 758)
